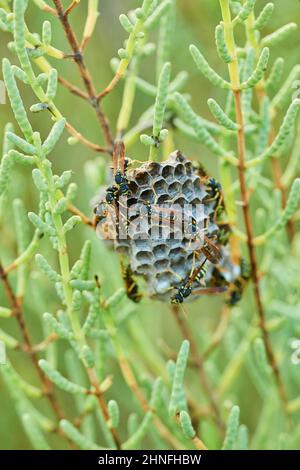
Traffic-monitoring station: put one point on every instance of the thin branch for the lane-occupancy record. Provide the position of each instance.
(84, 72)
(94, 382)
(72, 5)
(261, 93)
(198, 359)
(43, 6)
(74, 210)
(84, 141)
(233, 68)
(90, 24)
(44, 344)
(277, 176)
(109, 87)
(73, 88)
(251, 250)
(16, 305)
(219, 333)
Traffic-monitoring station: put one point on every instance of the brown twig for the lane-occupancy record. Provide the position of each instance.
(198, 359)
(44, 344)
(277, 176)
(72, 5)
(94, 382)
(74, 210)
(84, 72)
(86, 142)
(72, 88)
(196, 441)
(133, 385)
(219, 333)
(16, 305)
(49, 9)
(109, 87)
(251, 249)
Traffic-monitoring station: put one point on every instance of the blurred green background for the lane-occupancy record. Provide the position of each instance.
(196, 21)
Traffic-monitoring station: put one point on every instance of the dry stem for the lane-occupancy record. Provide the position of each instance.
(84, 72)
(16, 305)
(251, 249)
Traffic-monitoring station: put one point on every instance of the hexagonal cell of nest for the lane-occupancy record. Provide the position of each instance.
(170, 205)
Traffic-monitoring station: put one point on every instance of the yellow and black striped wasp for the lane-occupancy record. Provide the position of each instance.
(237, 287)
(172, 215)
(186, 288)
(121, 186)
(132, 289)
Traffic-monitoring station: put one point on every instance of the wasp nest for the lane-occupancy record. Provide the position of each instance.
(161, 252)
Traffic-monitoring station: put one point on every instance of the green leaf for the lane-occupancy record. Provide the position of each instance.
(154, 19)
(5, 169)
(83, 285)
(39, 180)
(221, 116)
(134, 441)
(54, 136)
(279, 35)
(87, 357)
(33, 432)
(232, 429)
(42, 226)
(284, 132)
(5, 312)
(61, 330)
(259, 71)
(264, 16)
(22, 144)
(22, 225)
(206, 70)
(47, 33)
(242, 438)
(114, 413)
(16, 100)
(193, 120)
(186, 425)
(221, 44)
(71, 223)
(126, 23)
(274, 79)
(161, 98)
(177, 386)
(44, 266)
(60, 381)
(52, 84)
(77, 437)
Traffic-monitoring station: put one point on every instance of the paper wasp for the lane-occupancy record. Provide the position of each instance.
(173, 216)
(121, 186)
(185, 289)
(237, 287)
(224, 233)
(132, 289)
(213, 186)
